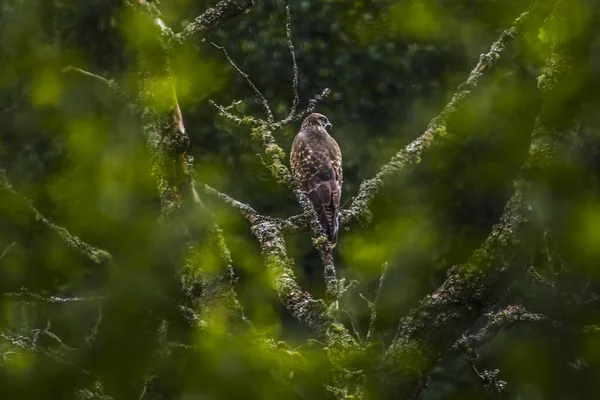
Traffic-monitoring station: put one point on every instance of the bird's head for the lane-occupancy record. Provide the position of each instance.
(317, 120)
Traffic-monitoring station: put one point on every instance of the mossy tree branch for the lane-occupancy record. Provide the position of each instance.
(213, 17)
(359, 210)
(24, 217)
(437, 323)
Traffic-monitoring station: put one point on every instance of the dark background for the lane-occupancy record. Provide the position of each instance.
(73, 149)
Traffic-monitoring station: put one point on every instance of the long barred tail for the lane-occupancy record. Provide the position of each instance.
(329, 220)
(327, 207)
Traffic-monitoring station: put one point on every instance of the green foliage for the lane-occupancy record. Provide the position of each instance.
(75, 149)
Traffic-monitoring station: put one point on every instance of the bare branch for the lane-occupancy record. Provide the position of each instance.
(94, 331)
(312, 105)
(344, 349)
(259, 95)
(88, 74)
(224, 112)
(214, 17)
(288, 30)
(6, 249)
(434, 325)
(489, 379)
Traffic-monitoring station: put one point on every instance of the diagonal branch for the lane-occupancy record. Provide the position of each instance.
(373, 305)
(110, 84)
(27, 219)
(288, 30)
(87, 74)
(244, 209)
(437, 323)
(259, 95)
(498, 322)
(213, 18)
(268, 232)
(26, 294)
(359, 208)
(299, 303)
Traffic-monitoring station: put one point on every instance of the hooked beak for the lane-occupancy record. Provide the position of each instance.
(328, 126)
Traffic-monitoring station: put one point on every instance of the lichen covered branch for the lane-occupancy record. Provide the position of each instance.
(27, 219)
(298, 302)
(214, 17)
(359, 210)
(437, 323)
(288, 30)
(373, 305)
(244, 209)
(434, 326)
(257, 93)
(497, 322)
(26, 294)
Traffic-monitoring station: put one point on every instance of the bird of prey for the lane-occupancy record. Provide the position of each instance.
(316, 163)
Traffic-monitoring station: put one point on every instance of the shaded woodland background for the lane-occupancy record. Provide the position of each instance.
(77, 152)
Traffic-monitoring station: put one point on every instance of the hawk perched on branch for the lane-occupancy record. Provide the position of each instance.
(316, 163)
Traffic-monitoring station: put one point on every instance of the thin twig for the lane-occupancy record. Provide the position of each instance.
(28, 344)
(24, 293)
(489, 379)
(257, 92)
(6, 249)
(288, 29)
(70, 68)
(245, 121)
(310, 108)
(94, 331)
(497, 322)
(373, 305)
(314, 102)
(353, 325)
(112, 85)
(244, 209)
(47, 332)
